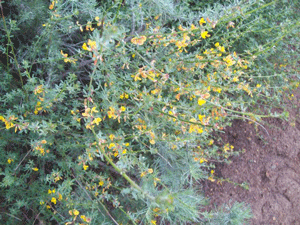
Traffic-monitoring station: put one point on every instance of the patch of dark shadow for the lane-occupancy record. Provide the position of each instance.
(297, 124)
(281, 154)
(260, 140)
(285, 195)
(263, 175)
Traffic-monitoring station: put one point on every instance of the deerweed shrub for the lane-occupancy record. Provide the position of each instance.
(108, 113)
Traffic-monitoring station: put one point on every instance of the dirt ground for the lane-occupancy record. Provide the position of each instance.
(270, 165)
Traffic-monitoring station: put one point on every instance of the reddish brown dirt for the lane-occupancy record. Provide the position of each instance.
(270, 165)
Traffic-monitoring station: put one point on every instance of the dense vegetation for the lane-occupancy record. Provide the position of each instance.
(110, 110)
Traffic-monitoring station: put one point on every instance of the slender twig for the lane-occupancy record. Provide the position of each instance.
(121, 172)
(9, 40)
(12, 216)
(22, 160)
(164, 159)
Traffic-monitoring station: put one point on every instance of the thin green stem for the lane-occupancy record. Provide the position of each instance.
(11, 44)
(122, 173)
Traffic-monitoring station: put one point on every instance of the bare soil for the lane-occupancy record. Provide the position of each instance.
(270, 165)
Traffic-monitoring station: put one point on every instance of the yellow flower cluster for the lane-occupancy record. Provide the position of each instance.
(139, 40)
(39, 89)
(54, 198)
(52, 5)
(151, 74)
(40, 148)
(66, 59)
(194, 127)
(88, 113)
(89, 26)
(183, 43)
(124, 96)
(38, 108)
(146, 172)
(75, 213)
(211, 177)
(8, 122)
(92, 45)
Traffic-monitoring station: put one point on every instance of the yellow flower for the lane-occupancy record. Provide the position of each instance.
(152, 142)
(39, 89)
(89, 26)
(193, 27)
(111, 137)
(229, 61)
(202, 21)
(66, 60)
(101, 183)
(204, 34)
(202, 160)
(111, 145)
(124, 151)
(139, 40)
(59, 197)
(51, 6)
(150, 170)
(201, 101)
(201, 117)
(123, 109)
(84, 46)
(64, 55)
(153, 222)
(10, 161)
(97, 121)
(92, 44)
(35, 169)
(156, 209)
(211, 179)
(111, 113)
(85, 167)
(235, 79)
(86, 112)
(75, 212)
(53, 200)
(180, 28)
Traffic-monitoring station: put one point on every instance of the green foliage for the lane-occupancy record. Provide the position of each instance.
(234, 215)
(110, 111)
